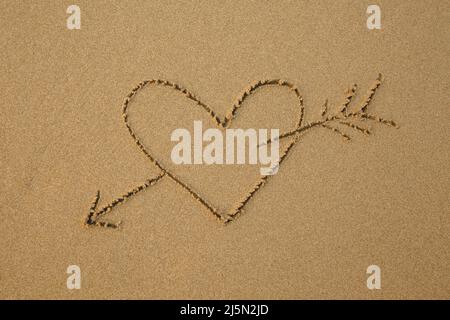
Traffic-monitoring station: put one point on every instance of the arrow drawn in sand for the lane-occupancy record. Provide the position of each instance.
(342, 118)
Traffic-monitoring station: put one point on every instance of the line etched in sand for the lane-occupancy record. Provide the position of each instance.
(343, 117)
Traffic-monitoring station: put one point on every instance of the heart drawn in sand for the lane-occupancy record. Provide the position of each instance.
(220, 123)
(343, 117)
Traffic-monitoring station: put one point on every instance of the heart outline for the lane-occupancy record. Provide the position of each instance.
(232, 213)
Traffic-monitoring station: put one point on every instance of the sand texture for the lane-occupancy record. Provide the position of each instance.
(86, 175)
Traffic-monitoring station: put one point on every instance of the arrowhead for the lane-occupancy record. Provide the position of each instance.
(92, 217)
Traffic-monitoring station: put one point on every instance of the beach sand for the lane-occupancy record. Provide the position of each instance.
(334, 208)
